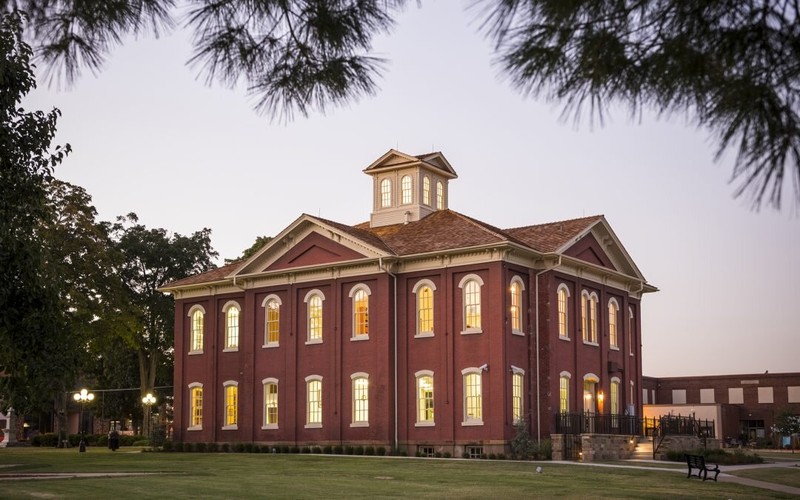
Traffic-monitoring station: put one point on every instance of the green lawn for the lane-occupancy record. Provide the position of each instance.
(789, 476)
(228, 475)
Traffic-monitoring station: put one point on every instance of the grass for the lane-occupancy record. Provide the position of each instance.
(229, 475)
(789, 476)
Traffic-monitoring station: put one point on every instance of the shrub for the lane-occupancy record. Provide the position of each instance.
(248, 447)
(381, 450)
(447, 454)
(284, 449)
(358, 450)
(47, 439)
(717, 456)
(369, 450)
(465, 455)
(102, 440)
(265, 448)
(316, 449)
(348, 450)
(141, 442)
(306, 449)
(338, 449)
(492, 456)
(167, 446)
(327, 449)
(177, 447)
(225, 448)
(438, 454)
(212, 447)
(189, 447)
(295, 449)
(126, 440)
(200, 447)
(238, 447)
(501, 456)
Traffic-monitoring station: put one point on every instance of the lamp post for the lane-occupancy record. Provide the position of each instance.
(148, 401)
(82, 397)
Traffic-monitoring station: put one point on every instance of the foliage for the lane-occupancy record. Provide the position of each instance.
(786, 423)
(730, 64)
(38, 350)
(252, 249)
(716, 456)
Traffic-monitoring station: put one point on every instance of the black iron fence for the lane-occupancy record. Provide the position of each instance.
(598, 423)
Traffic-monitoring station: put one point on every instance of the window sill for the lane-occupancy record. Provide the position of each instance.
(233, 427)
(472, 423)
(313, 426)
(614, 348)
(271, 345)
(595, 344)
(564, 338)
(195, 428)
(472, 331)
(425, 424)
(518, 333)
(359, 338)
(231, 349)
(313, 341)
(359, 424)
(269, 427)
(194, 353)
(423, 335)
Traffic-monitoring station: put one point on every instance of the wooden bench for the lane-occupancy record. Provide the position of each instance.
(699, 462)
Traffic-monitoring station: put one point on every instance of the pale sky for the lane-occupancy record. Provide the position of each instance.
(150, 137)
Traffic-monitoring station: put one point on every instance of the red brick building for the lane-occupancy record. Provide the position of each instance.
(423, 328)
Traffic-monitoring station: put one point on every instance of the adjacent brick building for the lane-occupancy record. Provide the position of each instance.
(423, 328)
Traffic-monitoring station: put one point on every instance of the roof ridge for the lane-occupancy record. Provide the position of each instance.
(496, 231)
(597, 216)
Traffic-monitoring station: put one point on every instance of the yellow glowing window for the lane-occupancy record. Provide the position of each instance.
(425, 310)
(196, 402)
(231, 404)
(562, 313)
(386, 193)
(516, 307)
(360, 400)
(315, 318)
(273, 322)
(612, 324)
(197, 331)
(472, 305)
(405, 189)
(426, 191)
(314, 402)
(473, 403)
(232, 328)
(425, 398)
(271, 404)
(361, 313)
(563, 394)
(516, 396)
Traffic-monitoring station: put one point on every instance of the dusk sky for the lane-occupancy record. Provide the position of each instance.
(150, 137)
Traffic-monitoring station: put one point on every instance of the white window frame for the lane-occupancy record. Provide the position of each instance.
(265, 424)
(468, 373)
(593, 394)
(426, 190)
(418, 376)
(517, 397)
(613, 324)
(309, 296)
(562, 287)
(417, 287)
(309, 423)
(192, 426)
(615, 400)
(386, 192)
(271, 298)
(406, 190)
(439, 195)
(589, 318)
(193, 333)
(519, 320)
(226, 309)
(354, 414)
(463, 284)
(226, 426)
(361, 287)
(563, 392)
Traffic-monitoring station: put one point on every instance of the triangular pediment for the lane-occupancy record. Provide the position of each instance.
(310, 242)
(598, 245)
(394, 159)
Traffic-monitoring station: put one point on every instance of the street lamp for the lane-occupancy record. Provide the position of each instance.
(148, 401)
(82, 397)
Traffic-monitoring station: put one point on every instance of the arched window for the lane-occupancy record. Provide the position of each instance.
(563, 311)
(424, 398)
(360, 296)
(439, 196)
(386, 193)
(426, 190)
(424, 291)
(313, 401)
(563, 392)
(197, 315)
(270, 403)
(613, 397)
(631, 327)
(195, 406)
(473, 398)
(471, 292)
(516, 305)
(405, 190)
(231, 312)
(360, 400)
(517, 381)
(231, 404)
(613, 313)
(589, 316)
(590, 382)
(272, 320)
(314, 305)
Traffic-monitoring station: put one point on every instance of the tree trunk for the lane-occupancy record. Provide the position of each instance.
(148, 362)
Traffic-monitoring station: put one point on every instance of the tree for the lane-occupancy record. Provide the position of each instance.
(148, 260)
(787, 424)
(252, 249)
(731, 65)
(37, 354)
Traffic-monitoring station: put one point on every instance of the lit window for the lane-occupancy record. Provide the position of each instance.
(473, 402)
(196, 406)
(613, 310)
(272, 321)
(517, 377)
(424, 397)
(471, 291)
(439, 196)
(614, 402)
(231, 311)
(589, 317)
(360, 399)
(386, 193)
(231, 404)
(563, 309)
(314, 301)
(197, 315)
(563, 392)
(314, 401)
(405, 189)
(424, 290)
(516, 305)
(270, 403)
(426, 190)
(590, 393)
(360, 296)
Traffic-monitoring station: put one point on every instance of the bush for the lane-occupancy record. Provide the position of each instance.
(284, 449)
(381, 450)
(167, 446)
(225, 448)
(212, 448)
(238, 447)
(47, 440)
(358, 450)
(248, 447)
(126, 440)
(200, 447)
(189, 447)
(316, 449)
(306, 449)
(447, 454)
(348, 450)
(102, 440)
(369, 450)
(327, 449)
(295, 449)
(438, 454)
(338, 449)
(465, 455)
(501, 456)
(265, 448)
(492, 456)
(177, 447)
(141, 442)
(717, 456)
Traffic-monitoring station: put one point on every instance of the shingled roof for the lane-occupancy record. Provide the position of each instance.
(553, 235)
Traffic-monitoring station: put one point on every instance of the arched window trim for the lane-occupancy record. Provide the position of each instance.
(361, 287)
(264, 383)
(520, 320)
(225, 386)
(196, 308)
(420, 333)
(353, 413)
(463, 285)
(417, 376)
(227, 344)
(590, 377)
(471, 420)
(564, 392)
(589, 307)
(310, 295)
(613, 333)
(265, 304)
(565, 334)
